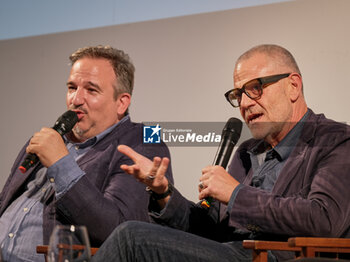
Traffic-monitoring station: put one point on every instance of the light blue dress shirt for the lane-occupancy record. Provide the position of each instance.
(21, 223)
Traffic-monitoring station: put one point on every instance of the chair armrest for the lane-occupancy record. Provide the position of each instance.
(260, 248)
(44, 249)
(303, 246)
(312, 245)
(269, 245)
(319, 242)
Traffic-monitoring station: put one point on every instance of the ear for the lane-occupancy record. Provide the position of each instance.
(124, 100)
(295, 87)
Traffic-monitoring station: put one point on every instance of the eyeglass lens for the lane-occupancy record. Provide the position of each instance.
(252, 89)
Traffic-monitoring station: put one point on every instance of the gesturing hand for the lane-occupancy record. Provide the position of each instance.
(150, 173)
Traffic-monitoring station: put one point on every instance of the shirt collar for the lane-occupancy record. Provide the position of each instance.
(93, 140)
(285, 147)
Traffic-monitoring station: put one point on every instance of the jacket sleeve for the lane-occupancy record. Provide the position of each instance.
(106, 196)
(314, 202)
(15, 179)
(185, 215)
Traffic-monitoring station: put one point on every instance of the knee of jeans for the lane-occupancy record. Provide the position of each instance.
(128, 228)
(130, 225)
(126, 234)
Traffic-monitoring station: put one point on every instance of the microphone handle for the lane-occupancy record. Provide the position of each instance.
(222, 158)
(63, 125)
(30, 160)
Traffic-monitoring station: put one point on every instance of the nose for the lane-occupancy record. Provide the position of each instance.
(78, 97)
(246, 101)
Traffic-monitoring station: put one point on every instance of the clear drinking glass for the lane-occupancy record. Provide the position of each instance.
(69, 244)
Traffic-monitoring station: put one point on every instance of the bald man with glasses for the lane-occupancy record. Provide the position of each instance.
(291, 179)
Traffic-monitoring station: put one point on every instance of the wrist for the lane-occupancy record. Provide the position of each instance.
(159, 196)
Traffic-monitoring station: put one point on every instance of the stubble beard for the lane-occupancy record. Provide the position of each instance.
(265, 130)
(78, 132)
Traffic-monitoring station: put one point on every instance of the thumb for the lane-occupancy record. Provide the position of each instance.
(129, 152)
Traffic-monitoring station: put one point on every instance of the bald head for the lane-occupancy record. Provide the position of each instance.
(275, 57)
(277, 53)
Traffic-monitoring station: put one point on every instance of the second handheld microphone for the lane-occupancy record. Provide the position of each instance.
(229, 138)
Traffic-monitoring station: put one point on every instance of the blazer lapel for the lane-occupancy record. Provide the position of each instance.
(17, 181)
(291, 169)
(297, 157)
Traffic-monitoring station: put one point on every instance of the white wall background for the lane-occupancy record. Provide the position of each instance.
(21, 18)
(183, 67)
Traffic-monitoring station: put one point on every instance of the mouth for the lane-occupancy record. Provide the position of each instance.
(253, 118)
(79, 113)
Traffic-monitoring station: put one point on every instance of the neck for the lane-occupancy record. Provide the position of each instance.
(72, 137)
(277, 137)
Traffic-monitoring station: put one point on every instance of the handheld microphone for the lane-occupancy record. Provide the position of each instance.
(63, 125)
(229, 137)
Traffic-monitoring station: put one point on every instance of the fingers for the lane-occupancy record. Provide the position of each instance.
(44, 137)
(159, 183)
(48, 145)
(159, 168)
(215, 182)
(129, 152)
(206, 180)
(156, 163)
(203, 190)
(201, 185)
(206, 169)
(163, 167)
(206, 174)
(131, 170)
(151, 173)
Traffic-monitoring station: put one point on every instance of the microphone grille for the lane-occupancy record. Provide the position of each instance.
(66, 122)
(233, 125)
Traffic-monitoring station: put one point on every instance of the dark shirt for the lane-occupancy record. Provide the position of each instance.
(268, 162)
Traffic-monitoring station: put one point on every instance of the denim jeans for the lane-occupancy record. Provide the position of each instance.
(139, 241)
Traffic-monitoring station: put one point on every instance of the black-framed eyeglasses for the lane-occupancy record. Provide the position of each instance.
(253, 89)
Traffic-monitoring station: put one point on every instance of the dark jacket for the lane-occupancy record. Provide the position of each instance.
(311, 196)
(105, 196)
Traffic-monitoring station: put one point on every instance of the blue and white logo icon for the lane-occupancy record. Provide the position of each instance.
(151, 134)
